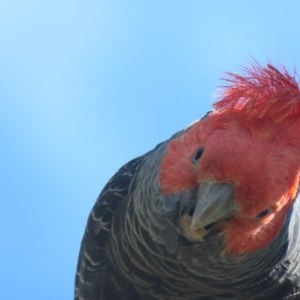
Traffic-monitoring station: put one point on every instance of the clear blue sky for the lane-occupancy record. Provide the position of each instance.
(87, 85)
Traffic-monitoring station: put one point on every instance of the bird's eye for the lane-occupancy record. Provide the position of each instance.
(263, 213)
(198, 154)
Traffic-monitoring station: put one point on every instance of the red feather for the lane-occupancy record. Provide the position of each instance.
(261, 92)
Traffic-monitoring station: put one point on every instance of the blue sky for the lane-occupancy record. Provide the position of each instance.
(87, 85)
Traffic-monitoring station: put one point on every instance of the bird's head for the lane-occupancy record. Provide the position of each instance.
(242, 161)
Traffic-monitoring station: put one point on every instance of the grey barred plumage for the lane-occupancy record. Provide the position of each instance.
(165, 226)
(133, 248)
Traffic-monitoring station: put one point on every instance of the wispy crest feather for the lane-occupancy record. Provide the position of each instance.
(261, 91)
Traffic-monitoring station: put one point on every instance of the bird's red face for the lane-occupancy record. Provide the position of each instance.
(261, 168)
(242, 161)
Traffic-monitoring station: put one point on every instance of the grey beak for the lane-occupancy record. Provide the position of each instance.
(215, 202)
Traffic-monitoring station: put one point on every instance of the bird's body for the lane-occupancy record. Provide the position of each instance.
(211, 213)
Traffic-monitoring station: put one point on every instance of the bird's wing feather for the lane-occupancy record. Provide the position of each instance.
(92, 262)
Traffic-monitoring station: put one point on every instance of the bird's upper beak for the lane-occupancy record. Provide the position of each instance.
(215, 202)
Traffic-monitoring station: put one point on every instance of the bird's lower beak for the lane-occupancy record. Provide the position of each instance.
(215, 202)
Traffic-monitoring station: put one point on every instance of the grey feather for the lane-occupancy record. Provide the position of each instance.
(133, 248)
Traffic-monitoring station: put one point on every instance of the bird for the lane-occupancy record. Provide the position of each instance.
(211, 213)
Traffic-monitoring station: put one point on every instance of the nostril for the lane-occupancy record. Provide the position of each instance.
(191, 212)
